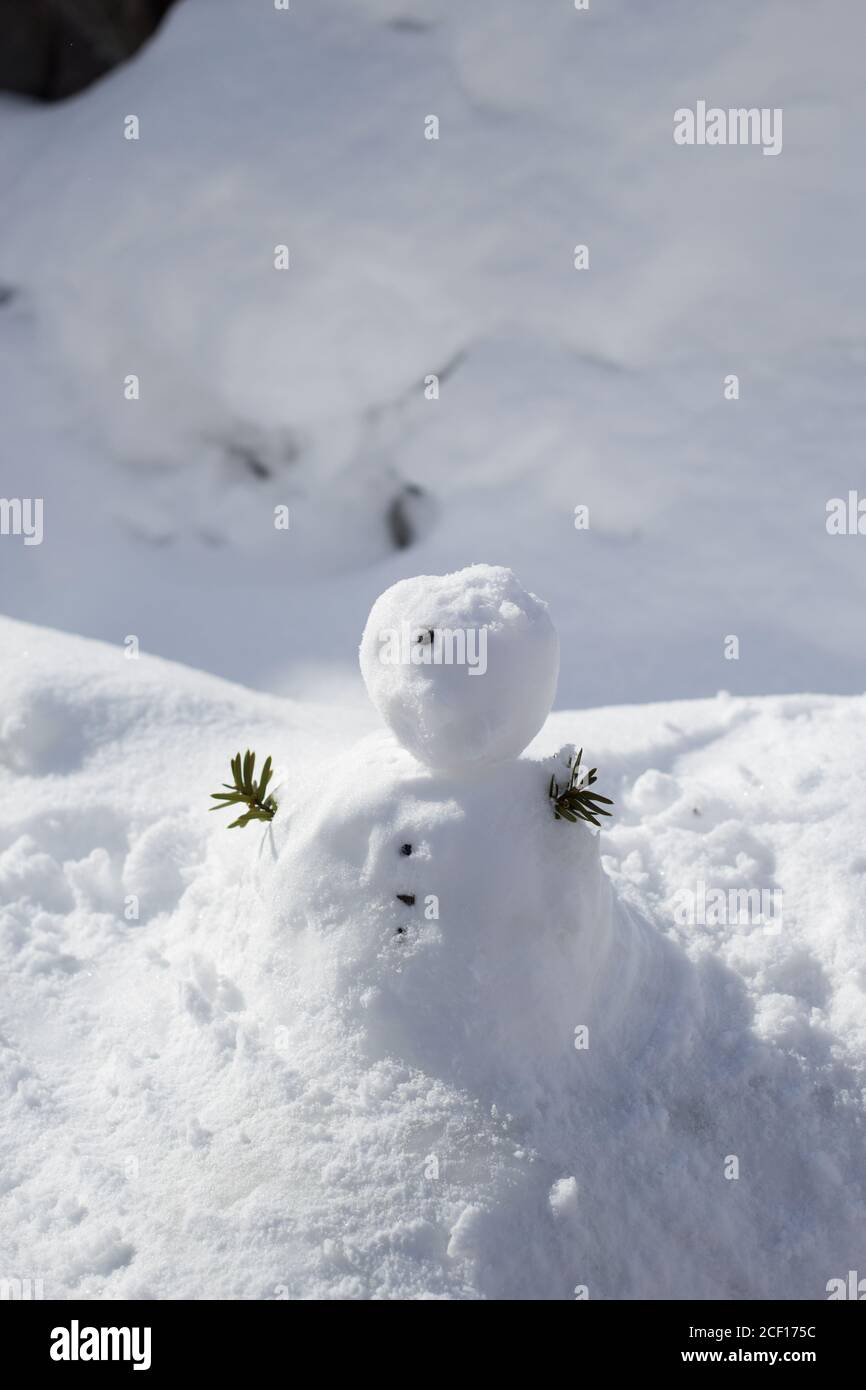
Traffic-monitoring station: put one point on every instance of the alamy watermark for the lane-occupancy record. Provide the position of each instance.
(714, 125)
(77, 1343)
(851, 1288)
(729, 907)
(22, 516)
(16, 1290)
(846, 516)
(428, 646)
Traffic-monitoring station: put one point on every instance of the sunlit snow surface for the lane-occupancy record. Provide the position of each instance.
(559, 388)
(249, 1091)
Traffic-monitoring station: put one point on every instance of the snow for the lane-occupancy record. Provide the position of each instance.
(462, 667)
(237, 1064)
(463, 981)
(558, 388)
(257, 1089)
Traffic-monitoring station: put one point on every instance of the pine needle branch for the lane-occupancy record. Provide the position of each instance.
(575, 801)
(245, 791)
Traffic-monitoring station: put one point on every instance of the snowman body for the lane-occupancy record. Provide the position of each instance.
(428, 892)
(459, 924)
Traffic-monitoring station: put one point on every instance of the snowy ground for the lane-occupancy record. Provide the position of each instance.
(175, 1133)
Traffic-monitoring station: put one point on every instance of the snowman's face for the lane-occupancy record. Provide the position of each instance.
(462, 667)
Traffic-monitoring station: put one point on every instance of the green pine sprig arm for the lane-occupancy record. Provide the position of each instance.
(245, 791)
(575, 801)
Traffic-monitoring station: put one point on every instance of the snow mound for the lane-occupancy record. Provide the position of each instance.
(228, 1092)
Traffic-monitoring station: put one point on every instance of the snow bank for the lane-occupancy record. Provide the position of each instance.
(197, 1111)
(409, 258)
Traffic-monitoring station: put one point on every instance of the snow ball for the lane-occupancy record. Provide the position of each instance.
(563, 1197)
(154, 868)
(462, 667)
(28, 872)
(654, 792)
(463, 1242)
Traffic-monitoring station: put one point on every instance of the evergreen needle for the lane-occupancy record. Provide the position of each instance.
(575, 801)
(244, 790)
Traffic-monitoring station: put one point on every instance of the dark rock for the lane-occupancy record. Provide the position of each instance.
(403, 516)
(50, 49)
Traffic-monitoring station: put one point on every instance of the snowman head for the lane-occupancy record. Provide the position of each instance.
(462, 667)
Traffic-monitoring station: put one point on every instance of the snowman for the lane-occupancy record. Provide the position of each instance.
(423, 887)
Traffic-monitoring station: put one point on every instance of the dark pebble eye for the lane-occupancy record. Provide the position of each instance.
(405, 849)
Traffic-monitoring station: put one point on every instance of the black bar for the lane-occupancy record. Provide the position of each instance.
(233, 1337)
